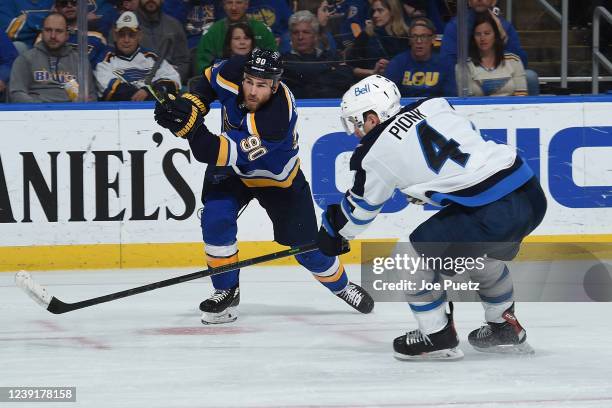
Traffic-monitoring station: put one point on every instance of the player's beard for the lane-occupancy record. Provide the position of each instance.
(253, 104)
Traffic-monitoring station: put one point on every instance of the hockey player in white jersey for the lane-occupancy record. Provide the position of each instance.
(489, 196)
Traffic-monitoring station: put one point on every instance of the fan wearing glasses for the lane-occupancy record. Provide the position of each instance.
(96, 43)
(420, 71)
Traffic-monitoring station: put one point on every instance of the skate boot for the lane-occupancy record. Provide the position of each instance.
(357, 298)
(507, 337)
(441, 345)
(221, 307)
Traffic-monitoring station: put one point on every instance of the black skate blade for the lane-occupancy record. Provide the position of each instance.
(523, 349)
(451, 354)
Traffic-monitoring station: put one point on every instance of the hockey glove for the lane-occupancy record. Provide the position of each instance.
(182, 115)
(330, 242)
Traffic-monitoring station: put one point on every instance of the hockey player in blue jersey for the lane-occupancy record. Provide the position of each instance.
(490, 197)
(256, 156)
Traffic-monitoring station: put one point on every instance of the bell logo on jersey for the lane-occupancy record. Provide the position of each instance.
(361, 91)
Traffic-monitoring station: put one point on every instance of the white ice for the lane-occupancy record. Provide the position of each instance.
(294, 345)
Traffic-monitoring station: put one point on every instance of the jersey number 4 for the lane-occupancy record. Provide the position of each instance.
(437, 149)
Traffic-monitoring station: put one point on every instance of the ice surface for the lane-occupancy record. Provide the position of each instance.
(294, 345)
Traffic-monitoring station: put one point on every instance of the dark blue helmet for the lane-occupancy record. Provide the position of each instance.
(265, 64)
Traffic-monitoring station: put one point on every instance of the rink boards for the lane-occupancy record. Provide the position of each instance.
(102, 186)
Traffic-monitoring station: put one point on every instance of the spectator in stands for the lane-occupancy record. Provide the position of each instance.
(509, 35)
(326, 41)
(129, 5)
(160, 30)
(121, 76)
(95, 40)
(22, 20)
(419, 72)
(101, 15)
(493, 72)
(346, 19)
(432, 9)
(239, 40)
(383, 38)
(8, 53)
(210, 47)
(414, 8)
(196, 16)
(46, 72)
(309, 71)
(273, 13)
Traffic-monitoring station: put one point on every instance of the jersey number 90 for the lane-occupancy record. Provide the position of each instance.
(252, 146)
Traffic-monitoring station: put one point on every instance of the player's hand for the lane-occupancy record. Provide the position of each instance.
(330, 242)
(380, 66)
(182, 115)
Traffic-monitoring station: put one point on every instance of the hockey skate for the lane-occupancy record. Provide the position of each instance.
(507, 337)
(221, 307)
(441, 345)
(357, 298)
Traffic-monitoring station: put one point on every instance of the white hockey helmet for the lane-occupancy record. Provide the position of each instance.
(374, 93)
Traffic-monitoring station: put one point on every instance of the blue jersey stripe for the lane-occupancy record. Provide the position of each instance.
(364, 204)
(494, 193)
(346, 206)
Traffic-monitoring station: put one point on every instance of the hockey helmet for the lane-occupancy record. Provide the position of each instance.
(265, 64)
(374, 93)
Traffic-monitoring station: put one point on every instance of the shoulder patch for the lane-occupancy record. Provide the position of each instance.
(97, 35)
(150, 54)
(108, 56)
(511, 56)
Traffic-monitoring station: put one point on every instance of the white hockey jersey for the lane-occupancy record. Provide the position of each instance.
(433, 155)
(116, 70)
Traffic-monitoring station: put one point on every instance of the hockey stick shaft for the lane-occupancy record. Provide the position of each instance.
(56, 306)
(164, 50)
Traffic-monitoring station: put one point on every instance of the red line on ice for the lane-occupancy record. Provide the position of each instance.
(82, 340)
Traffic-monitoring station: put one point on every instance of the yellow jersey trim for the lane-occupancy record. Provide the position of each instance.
(267, 182)
(227, 84)
(223, 155)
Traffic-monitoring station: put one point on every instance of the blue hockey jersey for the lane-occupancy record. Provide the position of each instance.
(261, 146)
(421, 78)
(96, 45)
(22, 19)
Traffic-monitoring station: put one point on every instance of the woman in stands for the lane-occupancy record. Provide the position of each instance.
(385, 36)
(491, 72)
(239, 40)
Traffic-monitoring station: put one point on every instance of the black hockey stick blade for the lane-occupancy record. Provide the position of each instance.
(56, 306)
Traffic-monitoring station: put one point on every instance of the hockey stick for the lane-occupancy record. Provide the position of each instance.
(164, 50)
(54, 305)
